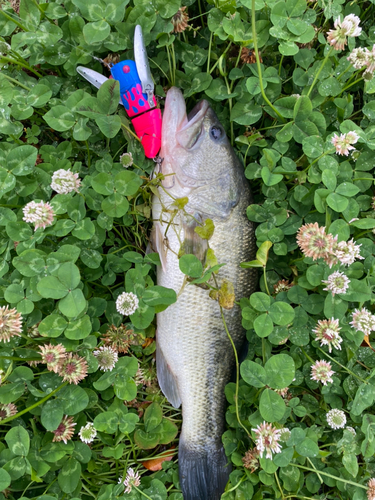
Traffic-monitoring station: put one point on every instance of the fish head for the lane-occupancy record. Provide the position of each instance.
(198, 159)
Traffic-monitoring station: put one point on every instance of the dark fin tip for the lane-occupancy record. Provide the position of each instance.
(203, 473)
(167, 381)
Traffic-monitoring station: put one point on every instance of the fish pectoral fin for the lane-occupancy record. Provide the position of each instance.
(193, 243)
(166, 379)
(157, 244)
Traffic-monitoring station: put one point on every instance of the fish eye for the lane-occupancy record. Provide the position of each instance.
(216, 133)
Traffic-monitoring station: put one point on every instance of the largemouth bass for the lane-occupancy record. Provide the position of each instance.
(194, 356)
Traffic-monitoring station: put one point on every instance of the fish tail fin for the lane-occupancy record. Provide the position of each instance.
(203, 471)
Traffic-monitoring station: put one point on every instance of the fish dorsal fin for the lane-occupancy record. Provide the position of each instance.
(166, 379)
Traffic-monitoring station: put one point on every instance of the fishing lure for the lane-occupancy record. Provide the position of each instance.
(137, 94)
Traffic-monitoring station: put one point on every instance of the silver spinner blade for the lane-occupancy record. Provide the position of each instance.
(143, 68)
(93, 77)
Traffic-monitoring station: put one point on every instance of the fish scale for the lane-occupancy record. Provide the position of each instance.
(195, 358)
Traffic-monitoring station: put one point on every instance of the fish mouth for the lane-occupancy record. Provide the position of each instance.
(198, 111)
(178, 126)
(191, 133)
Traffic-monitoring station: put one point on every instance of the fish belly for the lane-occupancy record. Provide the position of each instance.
(195, 356)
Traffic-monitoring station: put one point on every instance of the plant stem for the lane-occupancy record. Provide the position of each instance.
(88, 491)
(265, 280)
(307, 356)
(245, 157)
(280, 488)
(13, 61)
(49, 486)
(13, 20)
(38, 403)
(88, 154)
(41, 10)
(243, 478)
(15, 358)
(196, 17)
(331, 476)
(317, 159)
(209, 54)
(141, 492)
(237, 61)
(230, 102)
(15, 139)
(119, 150)
(351, 84)
(156, 64)
(200, 12)
(328, 218)
(170, 66)
(263, 351)
(319, 70)
(16, 82)
(317, 473)
(237, 372)
(130, 132)
(173, 64)
(255, 42)
(342, 366)
(345, 70)
(217, 62)
(27, 487)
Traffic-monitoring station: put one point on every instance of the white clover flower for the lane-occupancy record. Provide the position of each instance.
(371, 489)
(126, 160)
(336, 419)
(343, 143)
(370, 63)
(282, 392)
(285, 434)
(327, 331)
(41, 214)
(321, 371)
(4, 48)
(316, 243)
(358, 57)
(64, 181)
(351, 25)
(87, 434)
(348, 27)
(337, 283)
(347, 252)
(354, 155)
(140, 377)
(107, 358)
(363, 321)
(53, 356)
(267, 439)
(351, 430)
(10, 324)
(7, 410)
(65, 430)
(127, 303)
(131, 479)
